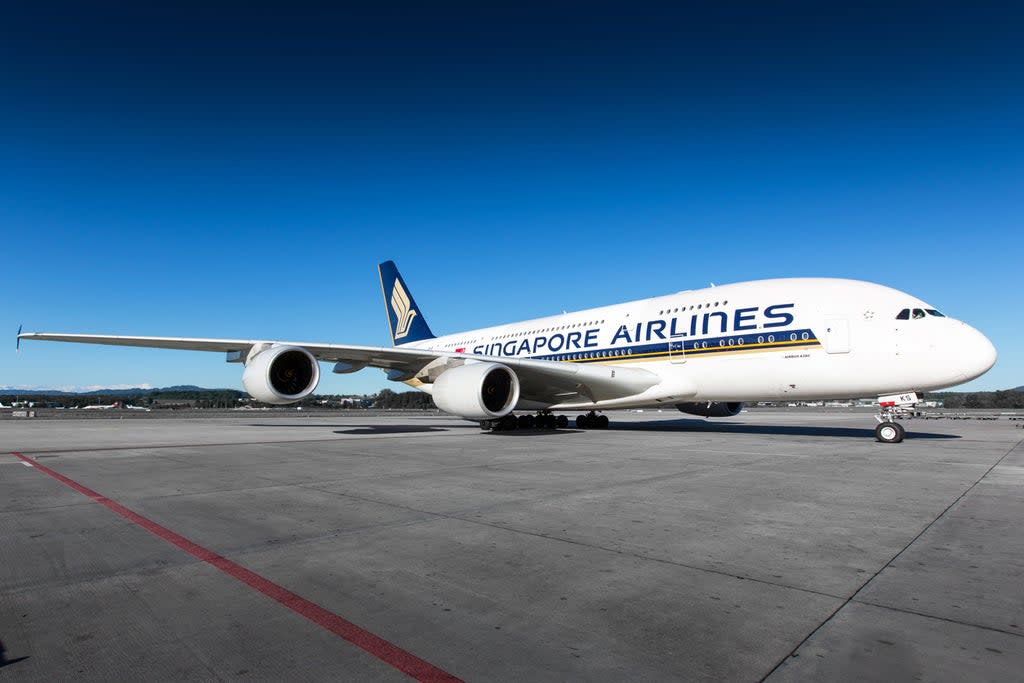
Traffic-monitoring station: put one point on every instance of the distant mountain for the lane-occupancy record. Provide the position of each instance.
(1020, 388)
(11, 391)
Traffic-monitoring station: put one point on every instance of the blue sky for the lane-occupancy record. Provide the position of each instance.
(238, 170)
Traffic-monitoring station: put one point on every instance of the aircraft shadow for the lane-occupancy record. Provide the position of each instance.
(389, 429)
(8, 662)
(647, 426)
(532, 432)
(777, 430)
(377, 428)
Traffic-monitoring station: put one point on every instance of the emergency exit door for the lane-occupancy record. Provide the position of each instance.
(677, 350)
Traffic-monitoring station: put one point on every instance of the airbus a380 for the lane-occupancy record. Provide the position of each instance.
(703, 351)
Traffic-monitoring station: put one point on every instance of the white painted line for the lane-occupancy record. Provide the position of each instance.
(27, 464)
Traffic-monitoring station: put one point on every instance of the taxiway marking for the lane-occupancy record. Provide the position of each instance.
(387, 652)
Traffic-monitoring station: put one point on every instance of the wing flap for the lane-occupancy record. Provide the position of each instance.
(554, 382)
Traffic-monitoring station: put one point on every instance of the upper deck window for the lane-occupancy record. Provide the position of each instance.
(904, 314)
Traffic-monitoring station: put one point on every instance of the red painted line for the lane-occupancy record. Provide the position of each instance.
(388, 653)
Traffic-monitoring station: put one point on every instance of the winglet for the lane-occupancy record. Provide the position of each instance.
(404, 316)
(17, 343)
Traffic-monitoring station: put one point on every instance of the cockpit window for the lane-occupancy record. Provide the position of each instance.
(917, 313)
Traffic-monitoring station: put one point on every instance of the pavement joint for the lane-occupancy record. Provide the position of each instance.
(926, 615)
(921, 533)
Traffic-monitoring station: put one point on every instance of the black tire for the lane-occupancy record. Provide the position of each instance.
(526, 422)
(509, 422)
(889, 432)
(583, 422)
(601, 421)
(561, 422)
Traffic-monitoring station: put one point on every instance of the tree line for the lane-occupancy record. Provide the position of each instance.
(1008, 398)
(386, 399)
(224, 399)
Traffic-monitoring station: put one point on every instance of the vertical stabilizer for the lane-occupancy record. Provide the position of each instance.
(404, 316)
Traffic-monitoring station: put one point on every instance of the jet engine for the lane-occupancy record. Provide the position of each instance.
(281, 375)
(711, 408)
(477, 391)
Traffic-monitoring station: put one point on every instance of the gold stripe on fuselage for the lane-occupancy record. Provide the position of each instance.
(695, 353)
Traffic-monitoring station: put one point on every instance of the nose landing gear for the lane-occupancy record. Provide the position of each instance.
(890, 432)
(890, 409)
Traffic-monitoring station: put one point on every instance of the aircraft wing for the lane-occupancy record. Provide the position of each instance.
(542, 381)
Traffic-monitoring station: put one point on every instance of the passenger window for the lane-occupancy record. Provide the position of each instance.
(932, 311)
(904, 314)
(918, 314)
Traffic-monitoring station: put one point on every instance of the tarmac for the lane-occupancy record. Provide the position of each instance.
(776, 546)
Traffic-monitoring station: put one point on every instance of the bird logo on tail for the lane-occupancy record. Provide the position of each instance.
(404, 313)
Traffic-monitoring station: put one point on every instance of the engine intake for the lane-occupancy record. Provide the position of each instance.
(281, 375)
(477, 391)
(711, 408)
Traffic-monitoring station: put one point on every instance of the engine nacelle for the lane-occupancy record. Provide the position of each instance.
(477, 391)
(711, 408)
(281, 375)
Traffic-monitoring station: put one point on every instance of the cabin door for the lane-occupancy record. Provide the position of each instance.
(837, 335)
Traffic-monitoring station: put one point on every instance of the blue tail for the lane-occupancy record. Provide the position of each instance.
(407, 324)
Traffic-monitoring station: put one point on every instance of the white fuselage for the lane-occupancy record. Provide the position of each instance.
(799, 338)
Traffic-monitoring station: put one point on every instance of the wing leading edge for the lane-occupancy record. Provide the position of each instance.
(544, 382)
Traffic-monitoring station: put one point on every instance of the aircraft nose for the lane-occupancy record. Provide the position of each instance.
(977, 353)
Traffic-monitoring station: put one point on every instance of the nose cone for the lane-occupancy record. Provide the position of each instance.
(978, 353)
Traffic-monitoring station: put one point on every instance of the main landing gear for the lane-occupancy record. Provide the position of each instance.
(890, 409)
(592, 421)
(542, 420)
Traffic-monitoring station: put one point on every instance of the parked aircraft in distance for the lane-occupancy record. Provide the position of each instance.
(115, 404)
(703, 351)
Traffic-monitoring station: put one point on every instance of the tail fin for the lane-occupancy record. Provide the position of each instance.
(407, 324)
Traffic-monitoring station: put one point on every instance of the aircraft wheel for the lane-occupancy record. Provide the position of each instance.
(526, 421)
(890, 432)
(508, 422)
(487, 425)
(561, 422)
(601, 421)
(582, 422)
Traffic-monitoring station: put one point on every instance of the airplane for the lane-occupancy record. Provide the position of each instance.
(97, 406)
(704, 351)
